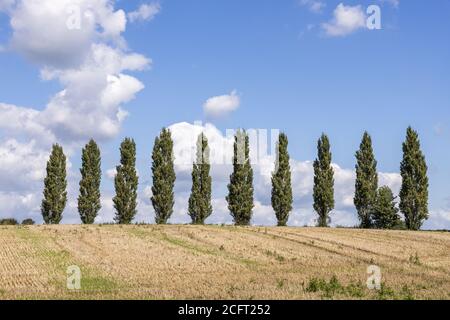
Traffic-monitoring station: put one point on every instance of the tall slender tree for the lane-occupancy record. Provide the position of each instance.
(414, 190)
(366, 184)
(126, 183)
(240, 188)
(323, 193)
(200, 206)
(163, 177)
(91, 174)
(385, 212)
(281, 182)
(55, 184)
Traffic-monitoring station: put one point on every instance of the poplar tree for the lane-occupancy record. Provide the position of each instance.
(281, 182)
(323, 192)
(55, 184)
(163, 177)
(366, 184)
(200, 206)
(384, 210)
(126, 183)
(240, 188)
(91, 174)
(414, 189)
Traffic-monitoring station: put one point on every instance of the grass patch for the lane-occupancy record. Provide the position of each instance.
(387, 293)
(59, 259)
(333, 287)
(98, 283)
(275, 255)
(414, 259)
(280, 283)
(329, 289)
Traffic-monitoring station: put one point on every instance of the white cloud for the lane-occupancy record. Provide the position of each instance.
(24, 122)
(90, 104)
(346, 20)
(40, 32)
(20, 206)
(111, 173)
(185, 137)
(313, 5)
(14, 163)
(392, 180)
(145, 12)
(220, 106)
(438, 219)
(90, 63)
(6, 5)
(22, 165)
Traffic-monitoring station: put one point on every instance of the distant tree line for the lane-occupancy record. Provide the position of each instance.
(13, 222)
(376, 206)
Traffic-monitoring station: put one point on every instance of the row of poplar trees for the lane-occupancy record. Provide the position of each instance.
(376, 207)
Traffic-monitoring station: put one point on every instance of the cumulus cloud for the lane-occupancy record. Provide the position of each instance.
(111, 173)
(313, 5)
(23, 123)
(220, 106)
(90, 62)
(221, 146)
(6, 5)
(145, 12)
(346, 20)
(22, 165)
(24, 205)
(80, 44)
(60, 33)
(185, 137)
(438, 219)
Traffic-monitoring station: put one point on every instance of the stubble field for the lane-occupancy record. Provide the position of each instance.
(221, 262)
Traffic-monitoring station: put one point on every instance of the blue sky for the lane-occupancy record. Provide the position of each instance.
(287, 71)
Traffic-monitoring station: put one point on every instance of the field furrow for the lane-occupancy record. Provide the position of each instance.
(221, 262)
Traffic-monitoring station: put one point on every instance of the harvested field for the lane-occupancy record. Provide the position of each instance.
(221, 262)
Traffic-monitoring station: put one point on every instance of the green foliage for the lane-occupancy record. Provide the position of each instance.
(385, 212)
(333, 287)
(126, 183)
(28, 222)
(8, 222)
(240, 188)
(387, 293)
(89, 198)
(414, 190)
(329, 288)
(280, 283)
(323, 192)
(366, 184)
(281, 182)
(275, 255)
(163, 177)
(200, 206)
(414, 259)
(55, 184)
